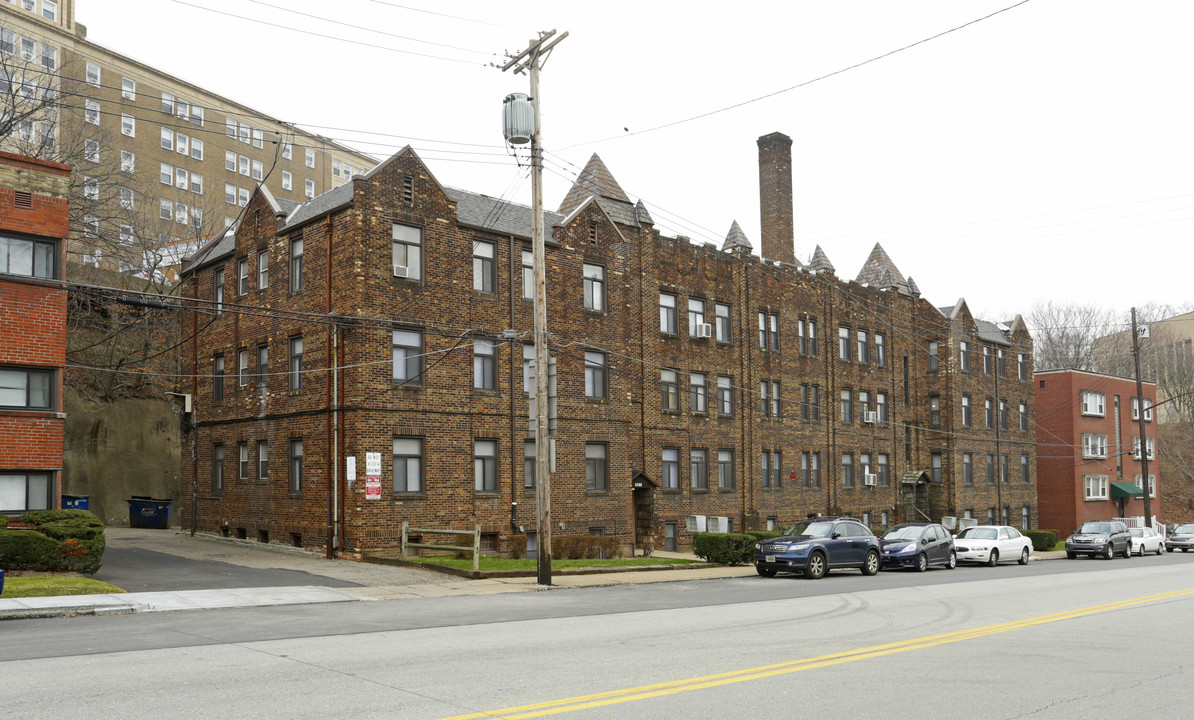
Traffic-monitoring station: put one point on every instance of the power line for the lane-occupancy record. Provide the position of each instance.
(445, 15)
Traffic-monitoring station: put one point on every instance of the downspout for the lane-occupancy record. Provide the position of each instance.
(747, 382)
(513, 404)
(194, 429)
(331, 462)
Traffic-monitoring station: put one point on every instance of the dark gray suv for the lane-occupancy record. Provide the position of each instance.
(1100, 538)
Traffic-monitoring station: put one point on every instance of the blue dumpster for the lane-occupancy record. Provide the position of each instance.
(76, 502)
(147, 512)
(1, 581)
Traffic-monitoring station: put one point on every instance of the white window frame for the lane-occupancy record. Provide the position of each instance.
(1095, 487)
(1094, 403)
(94, 74)
(1094, 445)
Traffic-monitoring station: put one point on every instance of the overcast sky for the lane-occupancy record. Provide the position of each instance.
(1041, 153)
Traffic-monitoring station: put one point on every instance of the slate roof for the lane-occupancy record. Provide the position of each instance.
(596, 180)
(880, 271)
(820, 262)
(736, 239)
(502, 217)
(318, 206)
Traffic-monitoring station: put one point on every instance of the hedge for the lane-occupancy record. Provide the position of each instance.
(77, 536)
(579, 547)
(29, 550)
(1042, 539)
(516, 545)
(725, 548)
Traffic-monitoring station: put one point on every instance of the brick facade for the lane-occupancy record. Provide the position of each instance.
(33, 213)
(1069, 463)
(604, 252)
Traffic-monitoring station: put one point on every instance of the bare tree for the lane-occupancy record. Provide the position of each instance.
(1067, 335)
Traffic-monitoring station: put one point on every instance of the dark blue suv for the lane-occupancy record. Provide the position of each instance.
(817, 545)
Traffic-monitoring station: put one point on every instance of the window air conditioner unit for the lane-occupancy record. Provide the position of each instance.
(401, 271)
(870, 416)
(870, 479)
(704, 330)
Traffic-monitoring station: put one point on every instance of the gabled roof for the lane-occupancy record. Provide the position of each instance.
(597, 181)
(318, 206)
(820, 262)
(736, 239)
(497, 216)
(880, 271)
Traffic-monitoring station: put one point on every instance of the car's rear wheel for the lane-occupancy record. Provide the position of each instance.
(1128, 550)
(816, 566)
(1024, 556)
(765, 572)
(1141, 553)
(993, 560)
(1108, 552)
(952, 562)
(1161, 548)
(922, 563)
(870, 566)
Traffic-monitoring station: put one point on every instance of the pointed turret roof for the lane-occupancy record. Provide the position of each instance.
(736, 239)
(912, 289)
(879, 270)
(595, 179)
(820, 262)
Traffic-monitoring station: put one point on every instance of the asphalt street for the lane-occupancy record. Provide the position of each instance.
(136, 569)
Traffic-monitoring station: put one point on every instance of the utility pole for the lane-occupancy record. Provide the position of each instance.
(531, 59)
(1148, 514)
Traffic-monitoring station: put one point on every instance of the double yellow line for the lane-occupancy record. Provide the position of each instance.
(645, 692)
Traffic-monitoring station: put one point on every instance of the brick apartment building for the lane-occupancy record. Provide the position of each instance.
(33, 229)
(392, 316)
(1089, 466)
(160, 163)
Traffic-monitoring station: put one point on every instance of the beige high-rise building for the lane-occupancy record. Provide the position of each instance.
(159, 163)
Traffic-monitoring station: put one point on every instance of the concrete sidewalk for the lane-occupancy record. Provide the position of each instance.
(371, 582)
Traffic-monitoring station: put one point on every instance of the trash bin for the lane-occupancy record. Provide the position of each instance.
(76, 502)
(1, 581)
(147, 512)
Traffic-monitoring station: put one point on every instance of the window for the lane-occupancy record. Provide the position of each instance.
(1148, 409)
(528, 369)
(93, 74)
(935, 467)
(773, 329)
(594, 375)
(881, 469)
(28, 48)
(988, 360)
(167, 139)
(1024, 470)
(966, 411)
(1152, 485)
(91, 112)
(217, 468)
(218, 282)
(128, 161)
(847, 470)
(1095, 487)
(27, 388)
(1094, 445)
(258, 170)
(242, 196)
(408, 355)
(843, 344)
(667, 313)
(242, 461)
(407, 465)
(596, 472)
(594, 285)
(217, 380)
(258, 138)
(287, 180)
(309, 188)
(934, 411)
(484, 365)
(768, 330)
(810, 469)
(1149, 447)
(847, 406)
(881, 407)
(483, 266)
(485, 466)
(698, 399)
(934, 361)
(1001, 368)
(776, 407)
(529, 463)
(294, 365)
(808, 337)
(968, 468)
(20, 492)
(229, 193)
(722, 325)
(725, 395)
(528, 277)
(880, 349)
(669, 391)
(28, 257)
(988, 413)
(49, 10)
(1003, 414)
(287, 149)
(310, 159)
(182, 144)
(810, 405)
(128, 88)
(699, 467)
(765, 469)
(696, 315)
(669, 476)
(263, 460)
(777, 469)
(407, 251)
(91, 151)
(1023, 417)
(296, 466)
(864, 347)
(725, 469)
(197, 116)
(242, 368)
(262, 365)
(244, 133)
(296, 265)
(243, 164)
(964, 356)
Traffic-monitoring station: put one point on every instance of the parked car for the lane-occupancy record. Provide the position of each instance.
(817, 545)
(1182, 538)
(991, 543)
(918, 546)
(1104, 538)
(1146, 540)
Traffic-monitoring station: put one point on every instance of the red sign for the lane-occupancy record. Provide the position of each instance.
(373, 487)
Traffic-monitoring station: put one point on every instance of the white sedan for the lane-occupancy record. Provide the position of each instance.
(991, 543)
(1146, 540)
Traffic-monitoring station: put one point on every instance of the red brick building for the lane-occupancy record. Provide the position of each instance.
(1089, 464)
(383, 328)
(33, 229)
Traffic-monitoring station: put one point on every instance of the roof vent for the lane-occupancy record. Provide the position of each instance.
(22, 199)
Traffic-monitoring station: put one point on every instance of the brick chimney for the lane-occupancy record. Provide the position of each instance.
(775, 198)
